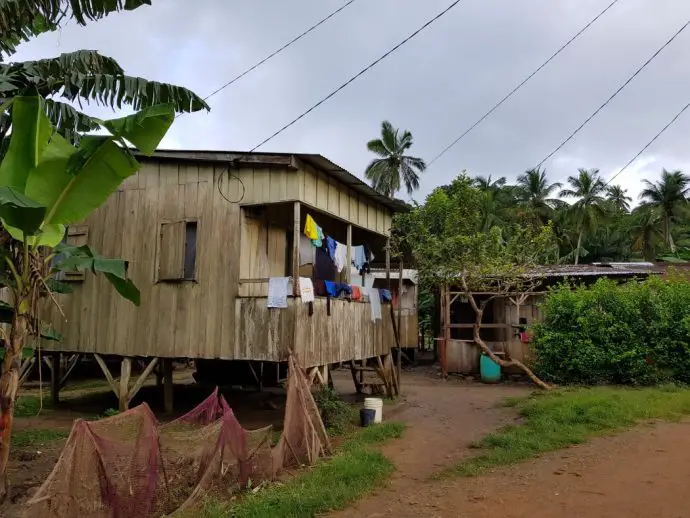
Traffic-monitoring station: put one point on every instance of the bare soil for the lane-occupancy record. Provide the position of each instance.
(636, 474)
(444, 417)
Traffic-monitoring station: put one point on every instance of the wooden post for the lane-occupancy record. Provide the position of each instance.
(55, 377)
(295, 249)
(388, 264)
(355, 377)
(400, 286)
(348, 260)
(168, 385)
(125, 373)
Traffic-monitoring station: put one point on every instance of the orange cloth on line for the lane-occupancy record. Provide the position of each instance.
(310, 228)
(356, 293)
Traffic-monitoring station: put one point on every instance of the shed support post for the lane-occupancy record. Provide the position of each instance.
(348, 259)
(168, 385)
(399, 327)
(295, 248)
(125, 374)
(55, 377)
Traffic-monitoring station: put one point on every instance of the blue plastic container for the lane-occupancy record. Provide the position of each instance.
(366, 417)
(490, 370)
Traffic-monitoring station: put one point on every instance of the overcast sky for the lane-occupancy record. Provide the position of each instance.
(436, 85)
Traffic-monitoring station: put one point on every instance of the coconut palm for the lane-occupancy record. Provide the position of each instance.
(589, 190)
(670, 195)
(393, 166)
(618, 197)
(647, 230)
(535, 194)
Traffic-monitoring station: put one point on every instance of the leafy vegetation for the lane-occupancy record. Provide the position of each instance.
(634, 333)
(559, 419)
(338, 416)
(393, 167)
(356, 469)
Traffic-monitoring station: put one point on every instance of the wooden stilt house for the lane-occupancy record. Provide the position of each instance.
(202, 233)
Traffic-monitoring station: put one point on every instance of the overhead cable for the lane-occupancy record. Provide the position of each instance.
(663, 130)
(355, 77)
(524, 81)
(619, 90)
(279, 50)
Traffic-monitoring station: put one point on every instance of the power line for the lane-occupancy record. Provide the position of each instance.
(663, 130)
(514, 90)
(619, 90)
(279, 50)
(356, 76)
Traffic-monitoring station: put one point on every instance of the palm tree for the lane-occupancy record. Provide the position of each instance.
(589, 190)
(83, 75)
(486, 183)
(535, 194)
(616, 195)
(647, 230)
(670, 195)
(393, 166)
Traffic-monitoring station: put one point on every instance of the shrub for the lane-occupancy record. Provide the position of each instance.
(337, 415)
(633, 333)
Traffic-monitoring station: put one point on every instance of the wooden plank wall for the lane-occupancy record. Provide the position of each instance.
(175, 319)
(315, 189)
(205, 318)
(347, 334)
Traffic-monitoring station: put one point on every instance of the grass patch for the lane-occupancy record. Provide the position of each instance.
(355, 470)
(28, 406)
(567, 417)
(35, 437)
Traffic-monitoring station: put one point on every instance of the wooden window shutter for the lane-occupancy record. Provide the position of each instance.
(77, 235)
(171, 251)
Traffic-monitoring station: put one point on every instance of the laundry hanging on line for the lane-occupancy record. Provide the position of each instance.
(306, 289)
(278, 292)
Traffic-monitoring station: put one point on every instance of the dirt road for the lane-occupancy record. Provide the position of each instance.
(640, 473)
(444, 418)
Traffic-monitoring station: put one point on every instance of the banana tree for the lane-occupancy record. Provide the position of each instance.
(46, 183)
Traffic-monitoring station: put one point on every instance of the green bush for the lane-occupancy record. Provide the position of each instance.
(633, 333)
(337, 415)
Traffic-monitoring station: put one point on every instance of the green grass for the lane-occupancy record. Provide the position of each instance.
(563, 418)
(35, 437)
(27, 406)
(356, 469)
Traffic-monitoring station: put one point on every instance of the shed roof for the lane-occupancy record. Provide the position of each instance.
(594, 270)
(285, 159)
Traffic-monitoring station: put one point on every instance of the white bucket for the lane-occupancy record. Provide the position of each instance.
(375, 403)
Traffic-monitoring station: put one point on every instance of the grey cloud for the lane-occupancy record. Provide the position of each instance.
(436, 85)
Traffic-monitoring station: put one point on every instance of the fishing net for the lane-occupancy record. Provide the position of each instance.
(131, 466)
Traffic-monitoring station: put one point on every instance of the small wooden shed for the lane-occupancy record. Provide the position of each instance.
(203, 232)
(506, 317)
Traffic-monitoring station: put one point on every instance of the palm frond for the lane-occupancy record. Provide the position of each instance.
(377, 146)
(88, 75)
(20, 20)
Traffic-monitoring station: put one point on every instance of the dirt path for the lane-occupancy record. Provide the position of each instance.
(443, 418)
(637, 474)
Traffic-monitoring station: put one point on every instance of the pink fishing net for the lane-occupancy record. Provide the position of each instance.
(131, 466)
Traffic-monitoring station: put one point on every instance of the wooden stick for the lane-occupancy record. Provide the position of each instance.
(140, 382)
(125, 374)
(109, 377)
(71, 364)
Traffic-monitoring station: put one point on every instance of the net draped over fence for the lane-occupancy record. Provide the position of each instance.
(130, 465)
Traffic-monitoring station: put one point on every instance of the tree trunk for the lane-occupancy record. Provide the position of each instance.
(9, 384)
(479, 312)
(579, 244)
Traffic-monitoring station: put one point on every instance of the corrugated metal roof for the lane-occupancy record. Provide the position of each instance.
(318, 161)
(587, 270)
